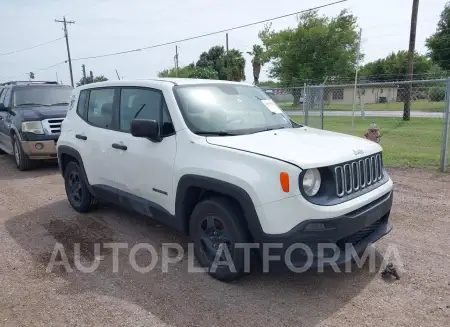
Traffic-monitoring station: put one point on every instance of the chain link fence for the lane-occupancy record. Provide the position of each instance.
(420, 141)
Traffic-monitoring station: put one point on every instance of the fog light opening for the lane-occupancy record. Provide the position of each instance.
(39, 146)
(315, 227)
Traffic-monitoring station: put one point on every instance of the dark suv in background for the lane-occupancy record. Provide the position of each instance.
(31, 114)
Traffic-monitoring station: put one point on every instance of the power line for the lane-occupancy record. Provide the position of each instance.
(209, 34)
(32, 47)
(34, 70)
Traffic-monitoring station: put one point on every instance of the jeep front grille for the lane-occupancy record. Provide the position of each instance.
(357, 175)
(53, 125)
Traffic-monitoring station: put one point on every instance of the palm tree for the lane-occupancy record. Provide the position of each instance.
(257, 61)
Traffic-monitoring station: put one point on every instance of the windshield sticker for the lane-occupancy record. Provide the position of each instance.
(272, 106)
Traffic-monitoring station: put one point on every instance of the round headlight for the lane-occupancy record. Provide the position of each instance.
(311, 182)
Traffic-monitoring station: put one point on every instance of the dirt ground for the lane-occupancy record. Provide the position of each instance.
(34, 215)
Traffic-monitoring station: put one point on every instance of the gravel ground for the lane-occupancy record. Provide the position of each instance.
(34, 215)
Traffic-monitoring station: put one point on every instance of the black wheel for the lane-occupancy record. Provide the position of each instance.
(23, 162)
(76, 189)
(217, 224)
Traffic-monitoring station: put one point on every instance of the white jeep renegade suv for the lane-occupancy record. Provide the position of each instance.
(221, 162)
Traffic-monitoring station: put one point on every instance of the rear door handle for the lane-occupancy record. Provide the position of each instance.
(119, 146)
(81, 137)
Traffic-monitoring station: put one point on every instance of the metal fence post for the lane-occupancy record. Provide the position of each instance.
(321, 104)
(304, 98)
(307, 102)
(444, 144)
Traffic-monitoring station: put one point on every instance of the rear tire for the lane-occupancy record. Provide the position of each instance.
(216, 223)
(23, 162)
(78, 194)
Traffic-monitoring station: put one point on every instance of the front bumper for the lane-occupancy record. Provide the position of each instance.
(45, 149)
(332, 237)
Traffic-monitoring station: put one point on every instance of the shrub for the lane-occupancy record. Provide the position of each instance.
(436, 93)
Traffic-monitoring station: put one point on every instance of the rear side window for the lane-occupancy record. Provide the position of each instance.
(100, 107)
(82, 103)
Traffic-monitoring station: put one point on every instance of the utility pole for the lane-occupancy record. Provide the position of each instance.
(227, 61)
(176, 61)
(411, 52)
(84, 74)
(91, 74)
(358, 54)
(66, 35)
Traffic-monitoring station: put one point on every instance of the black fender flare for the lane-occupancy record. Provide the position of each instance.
(221, 187)
(66, 150)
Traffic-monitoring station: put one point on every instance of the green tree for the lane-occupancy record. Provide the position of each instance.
(89, 80)
(395, 67)
(190, 71)
(31, 75)
(217, 59)
(438, 44)
(236, 63)
(258, 61)
(318, 47)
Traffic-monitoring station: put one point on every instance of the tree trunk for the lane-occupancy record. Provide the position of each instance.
(256, 72)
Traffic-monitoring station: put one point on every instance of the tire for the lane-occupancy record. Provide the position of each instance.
(216, 221)
(23, 162)
(76, 189)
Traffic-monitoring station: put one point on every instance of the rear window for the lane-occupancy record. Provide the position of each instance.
(41, 95)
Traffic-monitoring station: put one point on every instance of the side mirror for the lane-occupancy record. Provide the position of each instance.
(145, 128)
(2, 107)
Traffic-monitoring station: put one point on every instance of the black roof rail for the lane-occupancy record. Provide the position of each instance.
(29, 82)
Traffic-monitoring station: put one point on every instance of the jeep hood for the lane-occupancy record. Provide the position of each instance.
(41, 113)
(305, 147)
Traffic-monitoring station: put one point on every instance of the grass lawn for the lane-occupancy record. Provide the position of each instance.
(416, 143)
(419, 105)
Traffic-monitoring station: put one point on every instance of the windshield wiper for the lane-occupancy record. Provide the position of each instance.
(219, 133)
(268, 129)
(58, 104)
(31, 104)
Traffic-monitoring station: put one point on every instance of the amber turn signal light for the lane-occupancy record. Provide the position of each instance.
(284, 181)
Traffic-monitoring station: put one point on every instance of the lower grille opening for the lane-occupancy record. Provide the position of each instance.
(361, 234)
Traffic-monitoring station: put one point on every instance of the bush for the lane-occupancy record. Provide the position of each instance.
(436, 94)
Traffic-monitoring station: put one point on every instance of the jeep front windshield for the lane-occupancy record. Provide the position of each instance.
(229, 109)
(41, 96)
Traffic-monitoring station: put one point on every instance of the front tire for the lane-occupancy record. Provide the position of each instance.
(76, 189)
(216, 223)
(23, 162)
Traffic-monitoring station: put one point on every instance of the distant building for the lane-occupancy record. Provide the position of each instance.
(367, 95)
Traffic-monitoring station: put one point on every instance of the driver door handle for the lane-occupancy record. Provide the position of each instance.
(119, 146)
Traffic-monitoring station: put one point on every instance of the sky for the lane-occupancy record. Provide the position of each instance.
(107, 26)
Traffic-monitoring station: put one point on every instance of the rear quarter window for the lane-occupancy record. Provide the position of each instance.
(81, 107)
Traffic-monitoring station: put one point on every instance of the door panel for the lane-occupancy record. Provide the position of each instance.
(145, 169)
(5, 123)
(94, 136)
